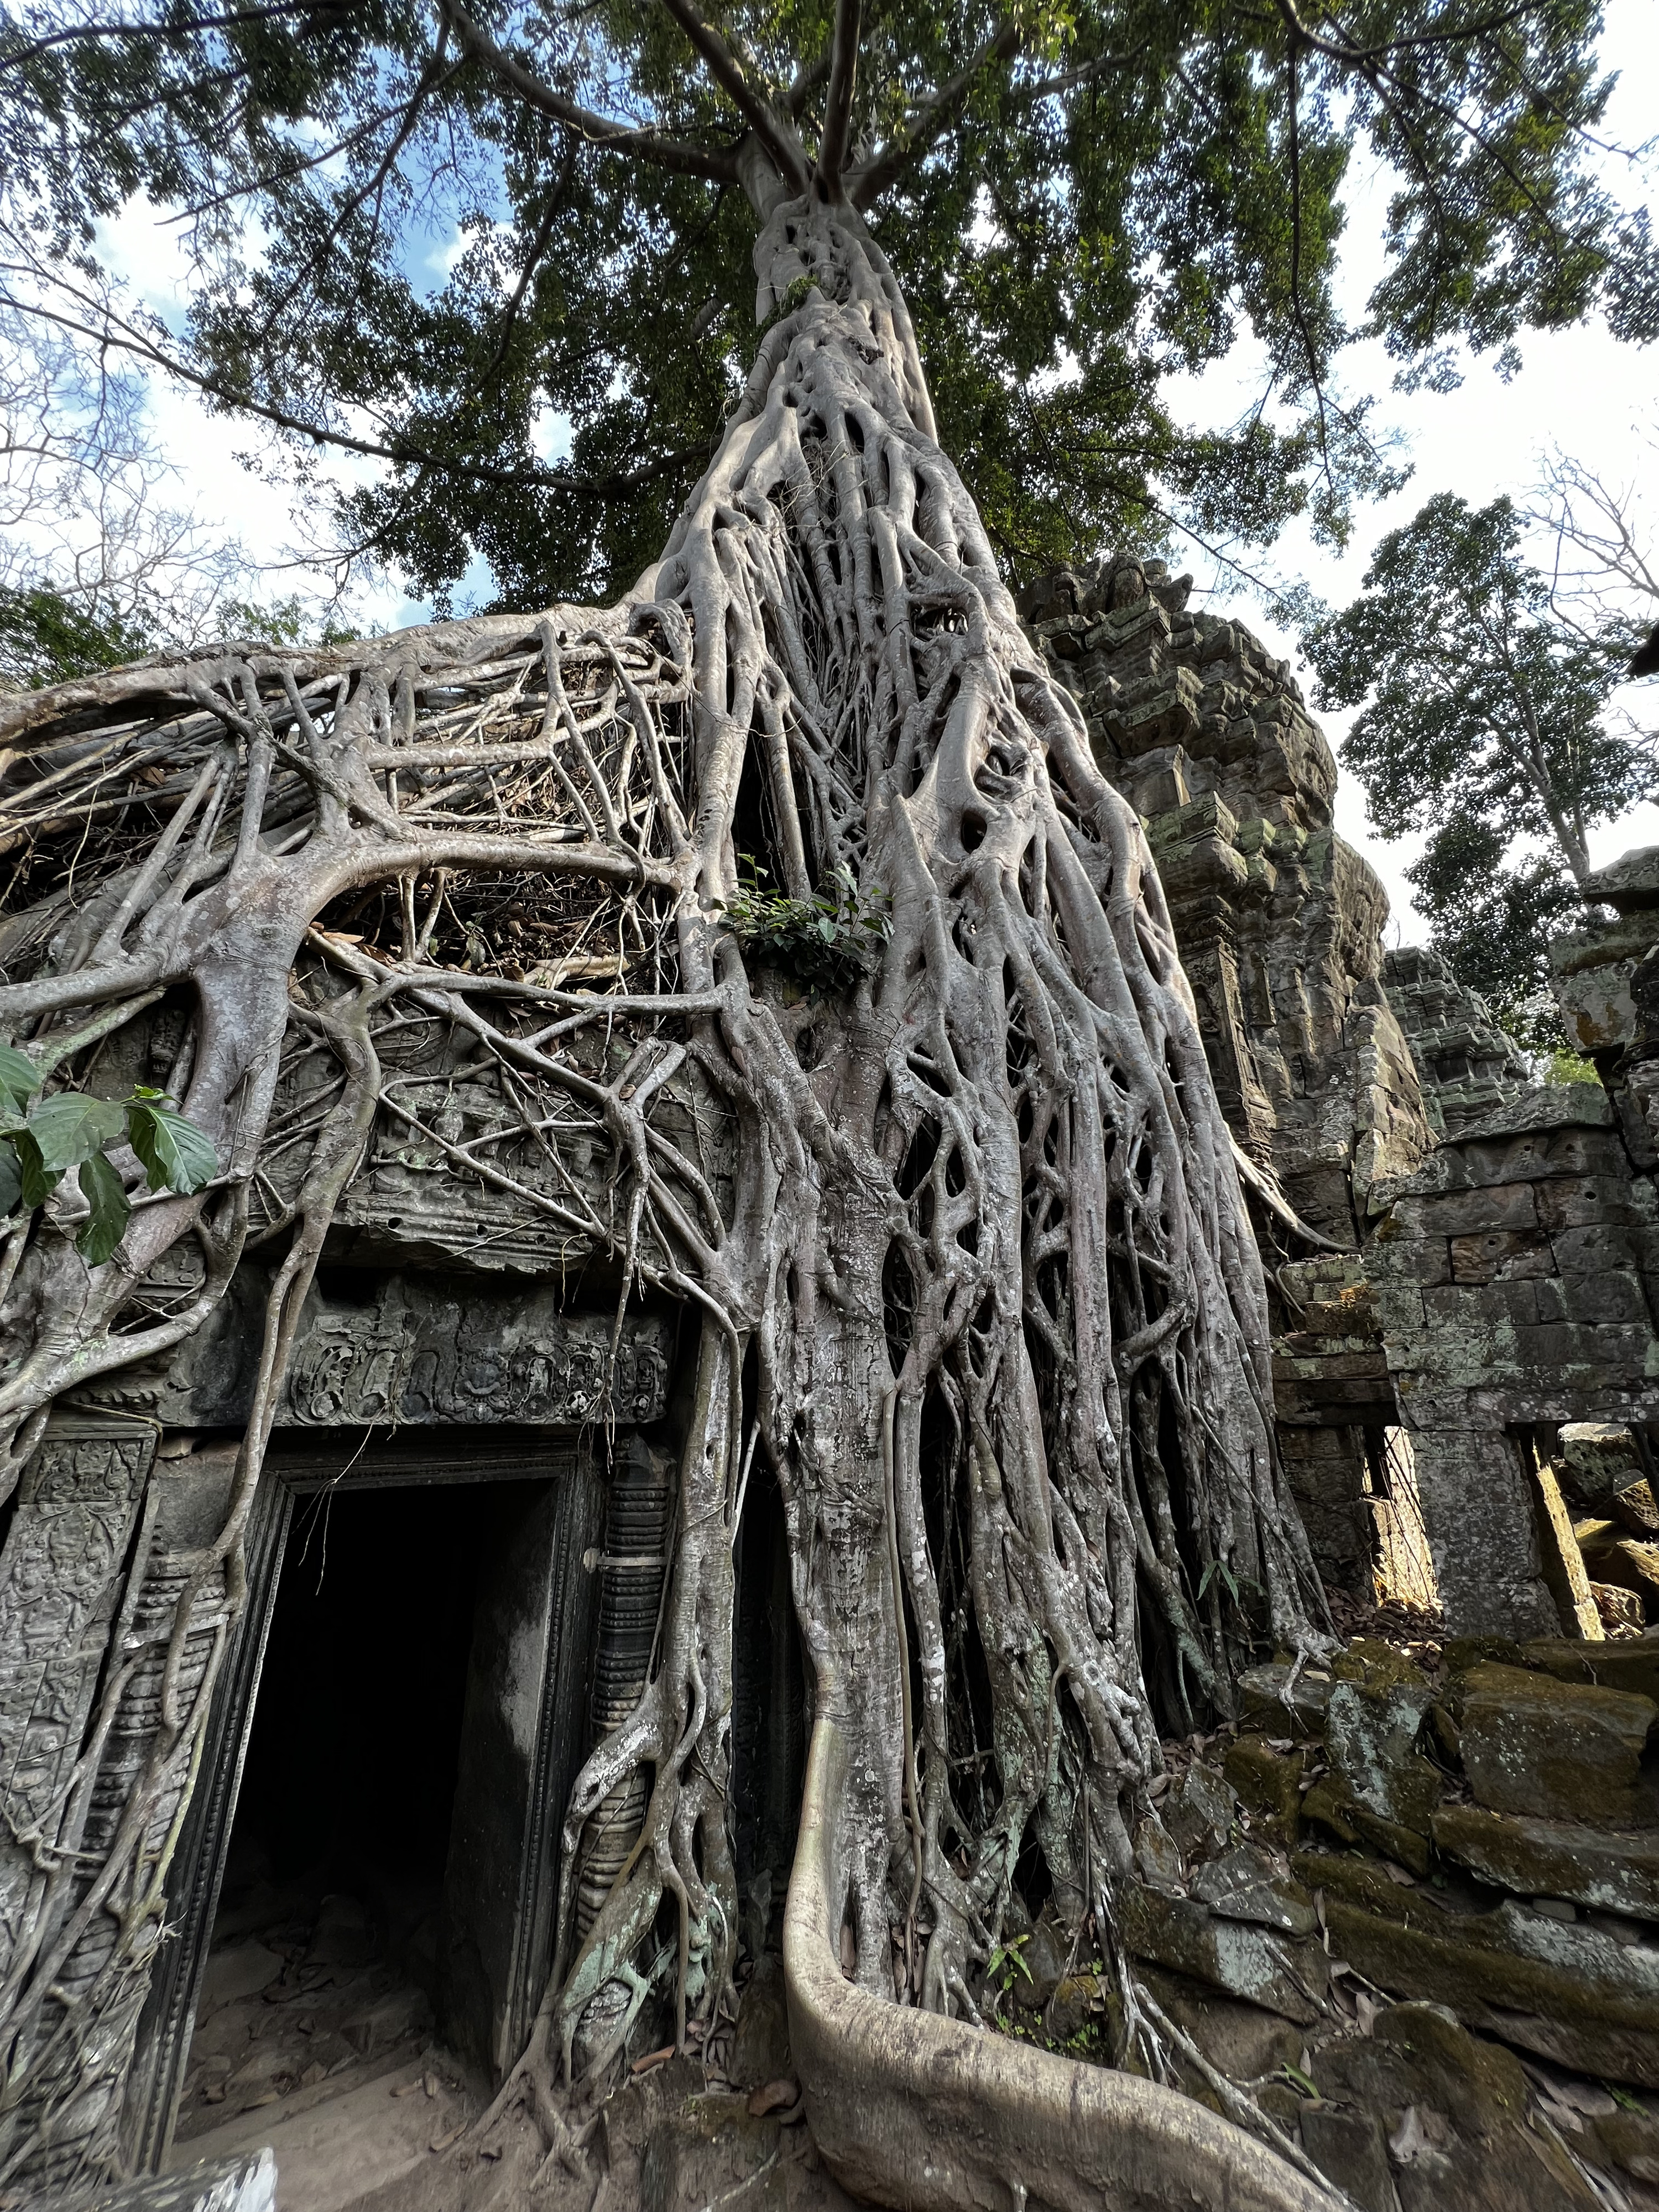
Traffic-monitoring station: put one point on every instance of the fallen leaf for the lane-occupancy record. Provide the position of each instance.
(773, 2097)
(1585, 2097)
(1399, 1873)
(1367, 2011)
(1279, 1743)
(653, 2059)
(442, 2142)
(1409, 2140)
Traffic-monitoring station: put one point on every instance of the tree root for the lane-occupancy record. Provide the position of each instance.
(913, 2109)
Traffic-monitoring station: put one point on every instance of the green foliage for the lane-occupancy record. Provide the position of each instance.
(1482, 726)
(826, 943)
(41, 1138)
(1566, 1066)
(1118, 200)
(1002, 1968)
(45, 638)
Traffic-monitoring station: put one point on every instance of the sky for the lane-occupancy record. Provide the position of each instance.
(1577, 389)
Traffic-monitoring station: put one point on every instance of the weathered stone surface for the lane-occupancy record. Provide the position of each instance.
(1633, 1667)
(1466, 1063)
(1597, 1458)
(1198, 1812)
(1568, 1991)
(1553, 1858)
(1268, 1782)
(1350, 2147)
(1371, 1742)
(424, 1349)
(759, 2048)
(1279, 922)
(1563, 1751)
(1263, 1701)
(1627, 1562)
(1282, 1973)
(1454, 2111)
(1239, 2039)
(1245, 1884)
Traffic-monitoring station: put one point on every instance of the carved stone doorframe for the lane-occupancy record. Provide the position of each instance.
(569, 1460)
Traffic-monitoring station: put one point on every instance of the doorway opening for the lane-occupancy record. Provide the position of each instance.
(333, 1947)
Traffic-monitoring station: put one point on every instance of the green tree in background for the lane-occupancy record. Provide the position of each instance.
(1484, 724)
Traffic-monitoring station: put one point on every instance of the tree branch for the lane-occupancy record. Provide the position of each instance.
(169, 30)
(838, 104)
(885, 168)
(604, 132)
(728, 71)
(107, 330)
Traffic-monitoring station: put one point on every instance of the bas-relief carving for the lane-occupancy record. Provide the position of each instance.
(422, 1350)
(468, 1359)
(59, 1573)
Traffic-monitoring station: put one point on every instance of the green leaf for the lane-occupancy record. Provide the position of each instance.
(106, 1193)
(11, 1177)
(18, 1078)
(176, 1154)
(39, 1181)
(69, 1127)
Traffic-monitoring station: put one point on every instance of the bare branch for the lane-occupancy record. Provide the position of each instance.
(930, 118)
(777, 135)
(601, 130)
(838, 104)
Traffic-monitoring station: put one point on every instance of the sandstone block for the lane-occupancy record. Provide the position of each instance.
(1499, 1252)
(1263, 1702)
(1553, 1858)
(1627, 1563)
(1244, 1884)
(1615, 1295)
(1267, 1781)
(1281, 1974)
(1597, 1457)
(1566, 1991)
(1587, 1201)
(1510, 1206)
(1468, 1307)
(1199, 1811)
(1630, 1667)
(1563, 1751)
(1586, 1251)
(1454, 2112)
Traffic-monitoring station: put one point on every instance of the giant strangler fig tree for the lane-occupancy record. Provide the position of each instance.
(984, 1293)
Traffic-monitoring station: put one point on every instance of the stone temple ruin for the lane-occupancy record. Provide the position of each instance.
(1413, 1898)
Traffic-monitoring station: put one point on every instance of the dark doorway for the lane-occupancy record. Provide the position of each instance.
(349, 1781)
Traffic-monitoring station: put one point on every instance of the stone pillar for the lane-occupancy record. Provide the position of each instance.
(1482, 1528)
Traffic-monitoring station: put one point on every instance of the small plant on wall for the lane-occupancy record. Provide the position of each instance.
(826, 942)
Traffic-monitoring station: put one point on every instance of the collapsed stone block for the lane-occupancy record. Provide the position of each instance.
(1565, 1751)
(1537, 1857)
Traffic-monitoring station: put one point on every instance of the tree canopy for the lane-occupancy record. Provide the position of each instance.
(1483, 723)
(1078, 204)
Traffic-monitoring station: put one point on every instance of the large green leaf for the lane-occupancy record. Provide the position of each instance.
(176, 1154)
(106, 1193)
(69, 1127)
(39, 1181)
(11, 1177)
(18, 1078)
